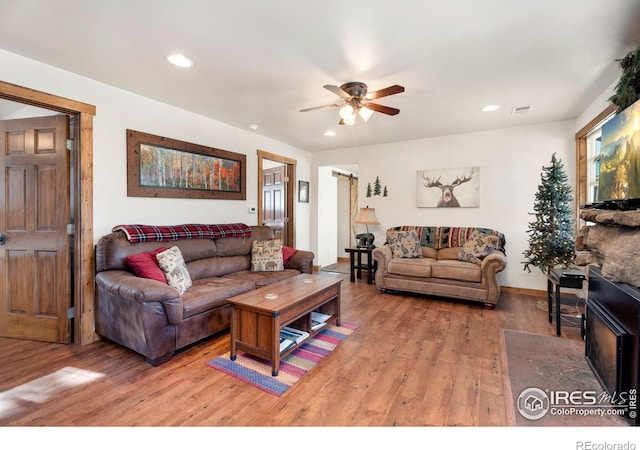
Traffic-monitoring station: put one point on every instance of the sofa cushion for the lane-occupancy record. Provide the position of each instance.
(456, 270)
(429, 252)
(175, 269)
(448, 253)
(477, 247)
(404, 244)
(266, 256)
(263, 278)
(145, 265)
(413, 267)
(210, 293)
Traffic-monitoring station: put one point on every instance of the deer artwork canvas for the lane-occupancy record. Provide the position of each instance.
(448, 188)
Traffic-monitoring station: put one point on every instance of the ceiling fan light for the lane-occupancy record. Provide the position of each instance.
(365, 113)
(346, 113)
(350, 120)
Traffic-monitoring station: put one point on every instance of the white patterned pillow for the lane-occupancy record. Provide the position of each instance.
(266, 256)
(172, 264)
(404, 244)
(477, 247)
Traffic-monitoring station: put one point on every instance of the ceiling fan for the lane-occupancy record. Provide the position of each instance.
(358, 102)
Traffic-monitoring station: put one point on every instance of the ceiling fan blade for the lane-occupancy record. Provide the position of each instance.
(333, 105)
(395, 89)
(336, 90)
(382, 109)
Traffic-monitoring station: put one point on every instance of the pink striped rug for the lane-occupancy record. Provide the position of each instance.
(257, 372)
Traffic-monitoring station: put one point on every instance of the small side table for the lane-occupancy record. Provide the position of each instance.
(356, 265)
(561, 278)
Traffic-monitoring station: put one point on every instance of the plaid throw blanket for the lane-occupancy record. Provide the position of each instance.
(145, 233)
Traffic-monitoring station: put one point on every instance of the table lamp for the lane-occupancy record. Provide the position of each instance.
(368, 217)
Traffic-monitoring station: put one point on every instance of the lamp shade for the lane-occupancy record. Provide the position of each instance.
(367, 216)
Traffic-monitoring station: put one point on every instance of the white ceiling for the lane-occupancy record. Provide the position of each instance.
(260, 62)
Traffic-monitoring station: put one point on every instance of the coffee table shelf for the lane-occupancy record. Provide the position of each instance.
(258, 316)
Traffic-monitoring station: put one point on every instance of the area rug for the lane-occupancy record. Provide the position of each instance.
(293, 367)
(336, 268)
(553, 363)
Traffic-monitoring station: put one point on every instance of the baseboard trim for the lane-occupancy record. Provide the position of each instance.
(523, 291)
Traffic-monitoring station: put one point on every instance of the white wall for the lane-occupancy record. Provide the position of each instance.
(510, 161)
(327, 216)
(118, 110)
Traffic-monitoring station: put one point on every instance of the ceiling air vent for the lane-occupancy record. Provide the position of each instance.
(521, 109)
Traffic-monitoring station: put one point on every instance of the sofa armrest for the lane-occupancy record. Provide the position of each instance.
(381, 257)
(302, 260)
(142, 290)
(494, 262)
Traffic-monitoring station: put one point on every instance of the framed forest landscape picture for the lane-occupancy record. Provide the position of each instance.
(163, 167)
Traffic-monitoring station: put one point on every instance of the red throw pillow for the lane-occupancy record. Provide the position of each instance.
(145, 265)
(287, 253)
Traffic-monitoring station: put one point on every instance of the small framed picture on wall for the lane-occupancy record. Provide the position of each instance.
(303, 191)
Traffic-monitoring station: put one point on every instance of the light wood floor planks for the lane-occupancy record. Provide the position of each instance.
(414, 361)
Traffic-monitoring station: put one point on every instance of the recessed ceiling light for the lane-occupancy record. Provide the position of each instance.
(253, 126)
(179, 60)
(329, 133)
(490, 108)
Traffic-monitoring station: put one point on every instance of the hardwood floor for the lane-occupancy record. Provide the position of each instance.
(414, 361)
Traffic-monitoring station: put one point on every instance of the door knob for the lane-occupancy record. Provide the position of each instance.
(1, 239)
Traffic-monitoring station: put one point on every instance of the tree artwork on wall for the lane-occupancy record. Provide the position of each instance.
(551, 234)
(158, 166)
(377, 188)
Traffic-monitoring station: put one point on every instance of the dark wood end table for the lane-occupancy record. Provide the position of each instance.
(356, 265)
(561, 278)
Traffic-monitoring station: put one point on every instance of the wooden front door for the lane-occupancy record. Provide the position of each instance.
(274, 191)
(35, 269)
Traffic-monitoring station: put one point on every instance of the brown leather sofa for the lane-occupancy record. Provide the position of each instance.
(151, 318)
(437, 267)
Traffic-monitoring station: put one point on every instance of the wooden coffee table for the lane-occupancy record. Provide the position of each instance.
(256, 320)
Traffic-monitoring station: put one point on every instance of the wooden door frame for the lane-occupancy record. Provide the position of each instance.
(581, 160)
(290, 184)
(83, 255)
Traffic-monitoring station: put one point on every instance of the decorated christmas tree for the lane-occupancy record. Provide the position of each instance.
(551, 234)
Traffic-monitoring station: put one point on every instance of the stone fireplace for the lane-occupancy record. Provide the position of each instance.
(612, 242)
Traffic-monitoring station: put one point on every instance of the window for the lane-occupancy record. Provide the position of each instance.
(588, 141)
(594, 139)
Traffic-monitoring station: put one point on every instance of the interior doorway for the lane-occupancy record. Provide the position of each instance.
(35, 246)
(80, 231)
(276, 181)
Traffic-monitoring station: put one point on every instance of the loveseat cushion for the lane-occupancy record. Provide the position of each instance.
(413, 267)
(477, 247)
(456, 270)
(208, 293)
(263, 278)
(404, 244)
